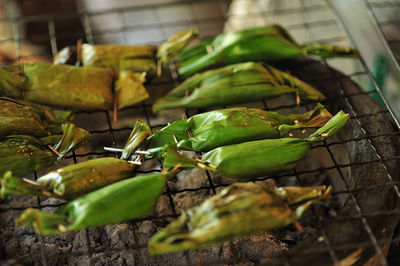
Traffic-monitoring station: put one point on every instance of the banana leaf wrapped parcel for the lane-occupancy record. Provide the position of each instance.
(136, 58)
(266, 43)
(257, 158)
(78, 179)
(129, 64)
(235, 84)
(18, 117)
(122, 201)
(238, 210)
(59, 85)
(23, 154)
(232, 125)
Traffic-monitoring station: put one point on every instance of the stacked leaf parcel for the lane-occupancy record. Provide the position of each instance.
(111, 76)
(240, 143)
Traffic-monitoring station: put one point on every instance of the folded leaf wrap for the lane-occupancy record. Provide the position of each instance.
(122, 201)
(233, 125)
(235, 84)
(238, 210)
(266, 43)
(23, 154)
(64, 85)
(257, 158)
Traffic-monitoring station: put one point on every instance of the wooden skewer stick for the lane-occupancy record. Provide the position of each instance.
(29, 181)
(46, 193)
(159, 68)
(78, 52)
(135, 162)
(115, 116)
(298, 226)
(175, 139)
(53, 150)
(143, 152)
(176, 167)
(112, 149)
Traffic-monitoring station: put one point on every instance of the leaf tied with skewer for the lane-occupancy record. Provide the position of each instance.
(122, 201)
(257, 158)
(78, 179)
(233, 125)
(238, 210)
(235, 84)
(266, 43)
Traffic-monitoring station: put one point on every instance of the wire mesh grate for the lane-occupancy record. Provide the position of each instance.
(306, 22)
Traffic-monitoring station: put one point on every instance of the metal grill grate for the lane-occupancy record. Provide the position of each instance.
(370, 143)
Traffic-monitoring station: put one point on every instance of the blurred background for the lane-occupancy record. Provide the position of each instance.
(373, 25)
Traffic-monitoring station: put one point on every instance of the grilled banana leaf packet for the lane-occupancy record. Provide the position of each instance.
(19, 117)
(206, 131)
(136, 58)
(122, 201)
(235, 84)
(59, 85)
(23, 154)
(257, 158)
(266, 43)
(129, 63)
(238, 210)
(78, 179)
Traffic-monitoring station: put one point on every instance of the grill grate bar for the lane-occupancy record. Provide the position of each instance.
(211, 187)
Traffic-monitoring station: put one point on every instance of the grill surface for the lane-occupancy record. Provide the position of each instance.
(362, 162)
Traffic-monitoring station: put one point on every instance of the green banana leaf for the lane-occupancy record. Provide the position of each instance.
(122, 201)
(60, 85)
(266, 43)
(23, 154)
(240, 209)
(78, 179)
(235, 84)
(18, 117)
(257, 158)
(71, 181)
(171, 48)
(233, 125)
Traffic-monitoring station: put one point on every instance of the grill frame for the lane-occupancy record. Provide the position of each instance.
(173, 78)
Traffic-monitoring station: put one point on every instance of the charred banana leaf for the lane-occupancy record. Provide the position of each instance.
(206, 131)
(257, 158)
(122, 201)
(235, 84)
(171, 48)
(78, 179)
(267, 43)
(18, 117)
(23, 154)
(240, 209)
(60, 85)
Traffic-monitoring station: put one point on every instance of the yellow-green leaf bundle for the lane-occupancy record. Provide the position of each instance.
(238, 210)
